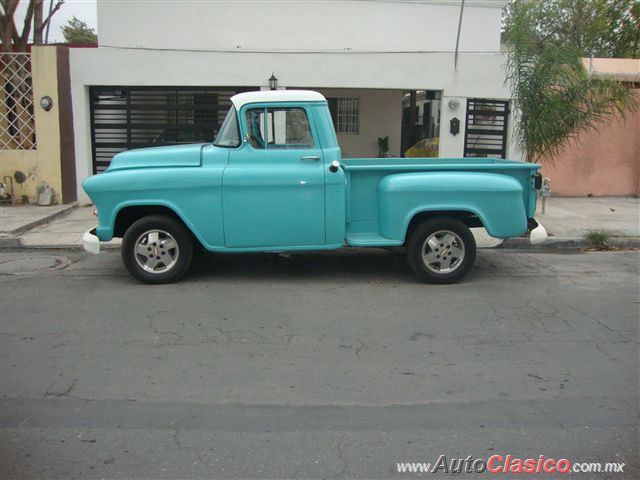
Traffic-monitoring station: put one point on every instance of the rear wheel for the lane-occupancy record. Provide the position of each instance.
(157, 249)
(441, 250)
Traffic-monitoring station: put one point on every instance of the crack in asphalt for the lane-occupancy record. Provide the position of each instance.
(66, 392)
(359, 349)
(607, 355)
(597, 320)
(340, 454)
(226, 336)
(182, 448)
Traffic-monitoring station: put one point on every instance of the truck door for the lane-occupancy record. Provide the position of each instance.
(273, 187)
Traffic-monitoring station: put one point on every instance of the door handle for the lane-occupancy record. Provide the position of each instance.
(311, 157)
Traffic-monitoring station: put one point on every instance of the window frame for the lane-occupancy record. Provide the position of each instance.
(337, 114)
(270, 108)
(237, 123)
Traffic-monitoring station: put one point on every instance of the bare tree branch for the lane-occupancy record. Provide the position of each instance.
(8, 27)
(52, 12)
(9, 6)
(26, 29)
(12, 38)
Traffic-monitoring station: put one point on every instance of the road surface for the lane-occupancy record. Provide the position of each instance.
(314, 365)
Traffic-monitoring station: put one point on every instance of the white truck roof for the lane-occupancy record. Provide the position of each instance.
(241, 99)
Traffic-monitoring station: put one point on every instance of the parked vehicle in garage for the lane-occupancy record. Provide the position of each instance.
(274, 180)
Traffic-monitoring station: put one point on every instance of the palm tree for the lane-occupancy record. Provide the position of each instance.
(555, 97)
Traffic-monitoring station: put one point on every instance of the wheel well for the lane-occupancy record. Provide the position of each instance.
(470, 219)
(128, 215)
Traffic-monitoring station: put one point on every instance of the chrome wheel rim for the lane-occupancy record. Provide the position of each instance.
(443, 251)
(156, 251)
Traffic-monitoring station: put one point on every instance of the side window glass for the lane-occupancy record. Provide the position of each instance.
(289, 128)
(256, 127)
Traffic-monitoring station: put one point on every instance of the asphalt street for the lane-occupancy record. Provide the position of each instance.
(334, 365)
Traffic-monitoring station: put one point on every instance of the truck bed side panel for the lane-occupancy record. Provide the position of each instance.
(496, 199)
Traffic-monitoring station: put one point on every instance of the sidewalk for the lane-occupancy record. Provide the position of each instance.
(60, 226)
(567, 220)
(16, 220)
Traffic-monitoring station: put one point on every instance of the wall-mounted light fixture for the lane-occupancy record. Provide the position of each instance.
(454, 104)
(273, 82)
(46, 103)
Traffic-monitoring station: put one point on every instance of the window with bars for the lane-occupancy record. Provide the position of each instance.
(17, 121)
(345, 112)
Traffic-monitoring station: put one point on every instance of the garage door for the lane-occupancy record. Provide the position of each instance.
(123, 118)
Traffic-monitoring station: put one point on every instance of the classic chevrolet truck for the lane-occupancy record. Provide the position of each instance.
(274, 180)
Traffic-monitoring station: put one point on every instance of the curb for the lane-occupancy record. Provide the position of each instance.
(15, 243)
(8, 241)
(522, 243)
(518, 243)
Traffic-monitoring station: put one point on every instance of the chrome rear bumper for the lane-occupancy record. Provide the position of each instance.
(538, 234)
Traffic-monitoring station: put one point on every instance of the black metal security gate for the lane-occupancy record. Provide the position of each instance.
(123, 118)
(486, 128)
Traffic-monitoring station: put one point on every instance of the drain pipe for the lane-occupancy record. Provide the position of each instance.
(455, 58)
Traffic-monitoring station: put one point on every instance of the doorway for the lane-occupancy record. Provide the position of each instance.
(421, 123)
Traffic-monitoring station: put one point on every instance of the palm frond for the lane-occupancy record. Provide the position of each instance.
(556, 99)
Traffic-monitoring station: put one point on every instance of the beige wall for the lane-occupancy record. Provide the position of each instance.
(600, 162)
(42, 165)
(380, 116)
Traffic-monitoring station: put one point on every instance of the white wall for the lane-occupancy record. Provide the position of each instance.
(302, 25)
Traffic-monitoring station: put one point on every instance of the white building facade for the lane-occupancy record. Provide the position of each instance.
(163, 72)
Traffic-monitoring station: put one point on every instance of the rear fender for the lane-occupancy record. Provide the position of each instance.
(496, 199)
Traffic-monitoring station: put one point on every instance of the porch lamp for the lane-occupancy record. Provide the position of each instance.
(273, 82)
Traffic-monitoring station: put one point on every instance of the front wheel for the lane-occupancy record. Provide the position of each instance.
(157, 249)
(441, 250)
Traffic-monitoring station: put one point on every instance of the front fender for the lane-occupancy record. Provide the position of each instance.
(495, 198)
(193, 194)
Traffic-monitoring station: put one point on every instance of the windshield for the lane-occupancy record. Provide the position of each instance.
(228, 135)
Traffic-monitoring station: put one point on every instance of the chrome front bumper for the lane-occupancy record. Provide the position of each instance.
(90, 241)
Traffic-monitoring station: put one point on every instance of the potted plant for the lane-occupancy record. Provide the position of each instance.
(383, 147)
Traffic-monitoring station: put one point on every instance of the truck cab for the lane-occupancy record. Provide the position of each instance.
(278, 176)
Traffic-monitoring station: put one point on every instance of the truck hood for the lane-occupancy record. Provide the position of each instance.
(158, 157)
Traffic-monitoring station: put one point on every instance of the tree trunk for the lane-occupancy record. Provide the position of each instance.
(37, 21)
(9, 8)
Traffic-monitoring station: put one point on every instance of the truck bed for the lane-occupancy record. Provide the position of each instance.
(364, 174)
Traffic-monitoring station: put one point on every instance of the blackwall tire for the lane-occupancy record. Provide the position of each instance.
(441, 250)
(157, 249)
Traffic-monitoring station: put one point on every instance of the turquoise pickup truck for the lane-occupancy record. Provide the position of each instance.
(274, 180)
